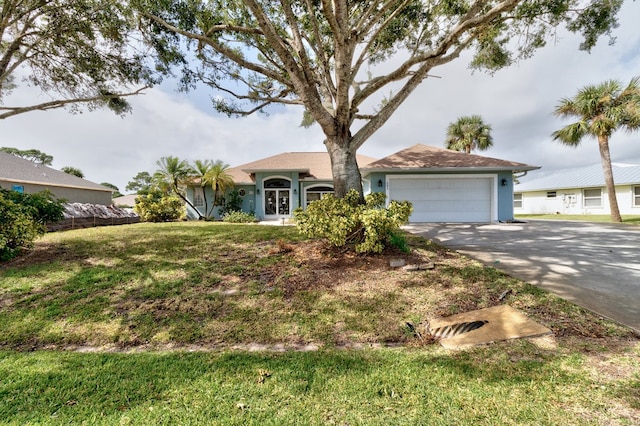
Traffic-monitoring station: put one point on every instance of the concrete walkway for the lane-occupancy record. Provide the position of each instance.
(595, 265)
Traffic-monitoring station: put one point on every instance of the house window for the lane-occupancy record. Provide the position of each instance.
(18, 188)
(517, 201)
(636, 196)
(552, 194)
(316, 193)
(198, 197)
(592, 197)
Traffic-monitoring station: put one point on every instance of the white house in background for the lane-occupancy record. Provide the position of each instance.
(578, 191)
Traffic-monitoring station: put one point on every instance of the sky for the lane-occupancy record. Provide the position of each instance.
(518, 103)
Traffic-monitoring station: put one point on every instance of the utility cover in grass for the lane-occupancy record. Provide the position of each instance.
(500, 323)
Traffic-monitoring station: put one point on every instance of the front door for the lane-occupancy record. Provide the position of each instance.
(277, 198)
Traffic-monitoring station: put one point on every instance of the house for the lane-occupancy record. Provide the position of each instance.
(579, 191)
(26, 176)
(443, 185)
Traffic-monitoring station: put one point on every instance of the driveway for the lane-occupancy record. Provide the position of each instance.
(595, 265)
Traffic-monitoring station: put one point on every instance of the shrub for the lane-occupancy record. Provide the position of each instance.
(368, 228)
(238, 217)
(231, 203)
(23, 219)
(157, 206)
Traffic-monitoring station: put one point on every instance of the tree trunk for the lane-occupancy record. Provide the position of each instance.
(603, 144)
(344, 166)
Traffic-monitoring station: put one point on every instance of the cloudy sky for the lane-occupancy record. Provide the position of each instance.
(517, 102)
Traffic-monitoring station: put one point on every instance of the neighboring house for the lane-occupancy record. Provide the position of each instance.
(128, 201)
(579, 191)
(26, 176)
(443, 185)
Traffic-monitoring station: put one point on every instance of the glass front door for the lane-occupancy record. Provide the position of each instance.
(277, 202)
(277, 198)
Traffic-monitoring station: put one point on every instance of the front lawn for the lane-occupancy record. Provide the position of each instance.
(195, 323)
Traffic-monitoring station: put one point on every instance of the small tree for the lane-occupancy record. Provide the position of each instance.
(30, 154)
(157, 206)
(172, 174)
(141, 183)
(24, 218)
(601, 110)
(72, 171)
(367, 228)
(469, 133)
(116, 192)
(220, 181)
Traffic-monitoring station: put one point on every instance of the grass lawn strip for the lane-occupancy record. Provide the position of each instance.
(137, 299)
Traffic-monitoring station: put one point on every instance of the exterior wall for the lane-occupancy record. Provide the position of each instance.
(504, 184)
(572, 201)
(502, 192)
(71, 195)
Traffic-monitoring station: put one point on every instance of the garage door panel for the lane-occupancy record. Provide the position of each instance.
(446, 199)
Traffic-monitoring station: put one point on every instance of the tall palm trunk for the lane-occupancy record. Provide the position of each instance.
(605, 156)
(344, 165)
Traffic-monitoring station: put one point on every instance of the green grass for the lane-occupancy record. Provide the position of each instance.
(485, 386)
(155, 324)
(633, 219)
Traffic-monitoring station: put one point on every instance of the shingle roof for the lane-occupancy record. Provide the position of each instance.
(315, 165)
(581, 177)
(429, 158)
(19, 170)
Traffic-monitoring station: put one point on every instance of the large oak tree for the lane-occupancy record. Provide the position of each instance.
(350, 63)
(77, 52)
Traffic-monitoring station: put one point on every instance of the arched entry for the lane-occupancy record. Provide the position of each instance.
(277, 198)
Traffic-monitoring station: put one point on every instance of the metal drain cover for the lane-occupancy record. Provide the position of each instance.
(451, 330)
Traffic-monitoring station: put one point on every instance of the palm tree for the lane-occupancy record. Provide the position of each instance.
(469, 133)
(201, 171)
(219, 179)
(171, 173)
(601, 110)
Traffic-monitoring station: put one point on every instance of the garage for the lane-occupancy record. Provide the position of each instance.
(446, 198)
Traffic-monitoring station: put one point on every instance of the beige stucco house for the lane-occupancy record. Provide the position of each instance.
(25, 176)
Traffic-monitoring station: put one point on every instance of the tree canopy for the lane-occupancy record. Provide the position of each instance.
(469, 133)
(72, 171)
(34, 155)
(601, 109)
(349, 63)
(75, 51)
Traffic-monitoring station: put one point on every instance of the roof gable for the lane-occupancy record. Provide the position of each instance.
(19, 170)
(425, 158)
(314, 165)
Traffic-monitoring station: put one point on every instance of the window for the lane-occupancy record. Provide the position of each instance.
(552, 194)
(592, 197)
(517, 201)
(316, 193)
(198, 198)
(636, 196)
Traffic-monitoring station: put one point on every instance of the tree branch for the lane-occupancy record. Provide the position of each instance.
(11, 111)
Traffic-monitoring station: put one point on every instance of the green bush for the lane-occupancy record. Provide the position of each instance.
(368, 228)
(238, 217)
(231, 203)
(24, 218)
(157, 206)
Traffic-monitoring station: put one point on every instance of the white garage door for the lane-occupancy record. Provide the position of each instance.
(445, 199)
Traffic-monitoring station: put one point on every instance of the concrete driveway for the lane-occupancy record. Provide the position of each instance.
(595, 265)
